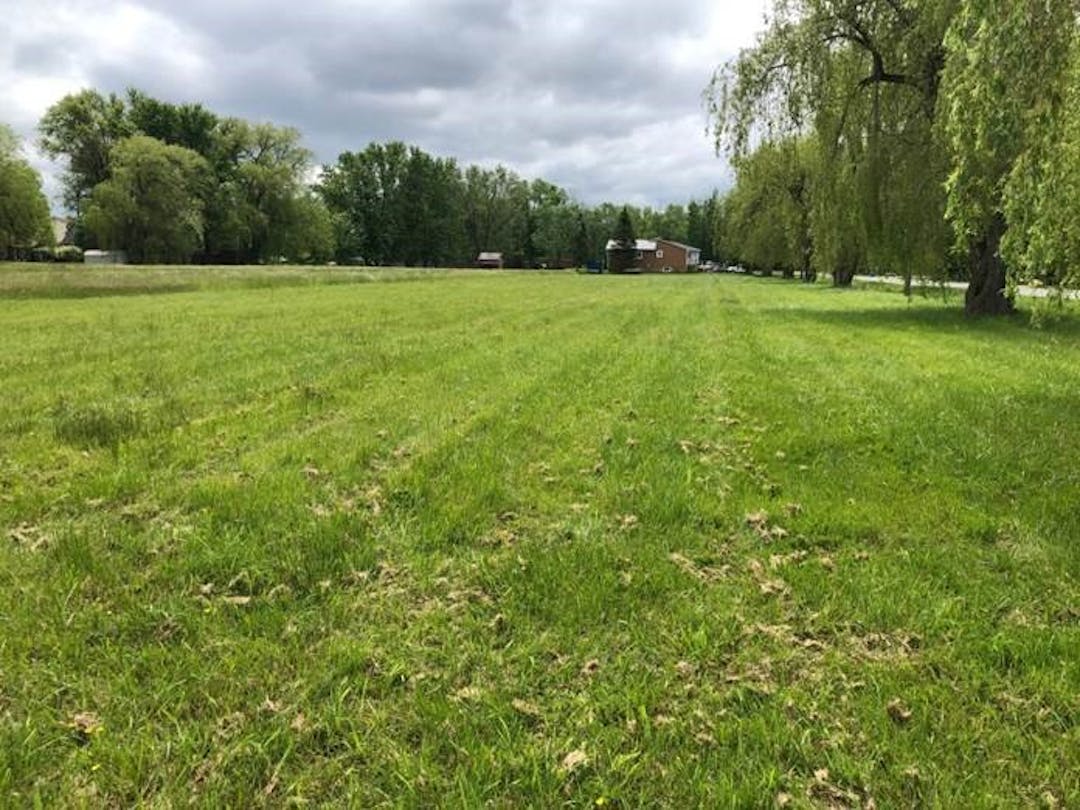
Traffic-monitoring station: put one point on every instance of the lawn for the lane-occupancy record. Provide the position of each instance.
(532, 540)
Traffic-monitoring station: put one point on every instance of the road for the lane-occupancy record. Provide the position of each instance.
(961, 286)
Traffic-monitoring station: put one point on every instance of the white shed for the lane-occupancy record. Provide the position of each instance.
(104, 257)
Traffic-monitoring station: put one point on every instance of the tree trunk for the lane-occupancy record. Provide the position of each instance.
(788, 272)
(843, 276)
(807, 272)
(986, 294)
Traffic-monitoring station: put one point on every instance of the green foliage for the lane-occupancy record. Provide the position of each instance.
(24, 211)
(1011, 130)
(191, 126)
(767, 218)
(394, 204)
(1042, 193)
(553, 218)
(583, 252)
(861, 80)
(387, 204)
(940, 122)
(68, 254)
(700, 225)
(312, 233)
(84, 128)
(622, 256)
(152, 205)
(255, 204)
(624, 236)
(258, 211)
(491, 208)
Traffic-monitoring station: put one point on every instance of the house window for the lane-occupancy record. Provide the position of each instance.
(659, 254)
(640, 254)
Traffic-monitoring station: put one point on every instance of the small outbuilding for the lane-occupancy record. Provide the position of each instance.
(101, 257)
(490, 260)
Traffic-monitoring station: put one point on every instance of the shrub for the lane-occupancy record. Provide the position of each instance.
(69, 254)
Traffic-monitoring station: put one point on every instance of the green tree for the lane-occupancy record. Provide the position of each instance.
(864, 79)
(84, 128)
(1005, 90)
(310, 235)
(838, 222)
(254, 209)
(495, 204)
(24, 211)
(429, 229)
(152, 205)
(189, 125)
(718, 230)
(394, 203)
(1043, 190)
(768, 219)
(623, 254)
(699, 227)
(672, 223)
(554, 220)
(583, 251)
(624, 236)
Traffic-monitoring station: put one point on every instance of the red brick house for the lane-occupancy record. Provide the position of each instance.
(662, 256)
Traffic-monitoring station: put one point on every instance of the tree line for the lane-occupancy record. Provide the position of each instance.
(178, 183)
(395, 204)
(923, 138)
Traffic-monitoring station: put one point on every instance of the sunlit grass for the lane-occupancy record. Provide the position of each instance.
(533, 540)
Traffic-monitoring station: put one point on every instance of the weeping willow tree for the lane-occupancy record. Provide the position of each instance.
(1013, 137)
(940, 122)
(862, 79)
(837, 219)
(767, 216)
(1042, 195)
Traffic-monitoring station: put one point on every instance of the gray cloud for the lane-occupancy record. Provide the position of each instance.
(601, 96)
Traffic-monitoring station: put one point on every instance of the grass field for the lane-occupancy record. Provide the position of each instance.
(532, 540)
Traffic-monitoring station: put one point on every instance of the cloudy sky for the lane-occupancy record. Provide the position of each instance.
(602, 97)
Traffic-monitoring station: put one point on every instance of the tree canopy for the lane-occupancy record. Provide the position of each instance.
(936, 125)
(24, 211)
(251, 203)
(83, 128)
(393, 203)
(258, 197)
(1006, 125)
(152, 205)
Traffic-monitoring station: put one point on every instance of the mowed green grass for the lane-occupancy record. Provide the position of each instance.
(536, 540)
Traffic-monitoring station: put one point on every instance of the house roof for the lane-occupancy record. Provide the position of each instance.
(489, 257)
(648, 245)
(679, 244)
(640, 244)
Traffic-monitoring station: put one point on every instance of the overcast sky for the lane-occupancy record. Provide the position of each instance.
(602, 97)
